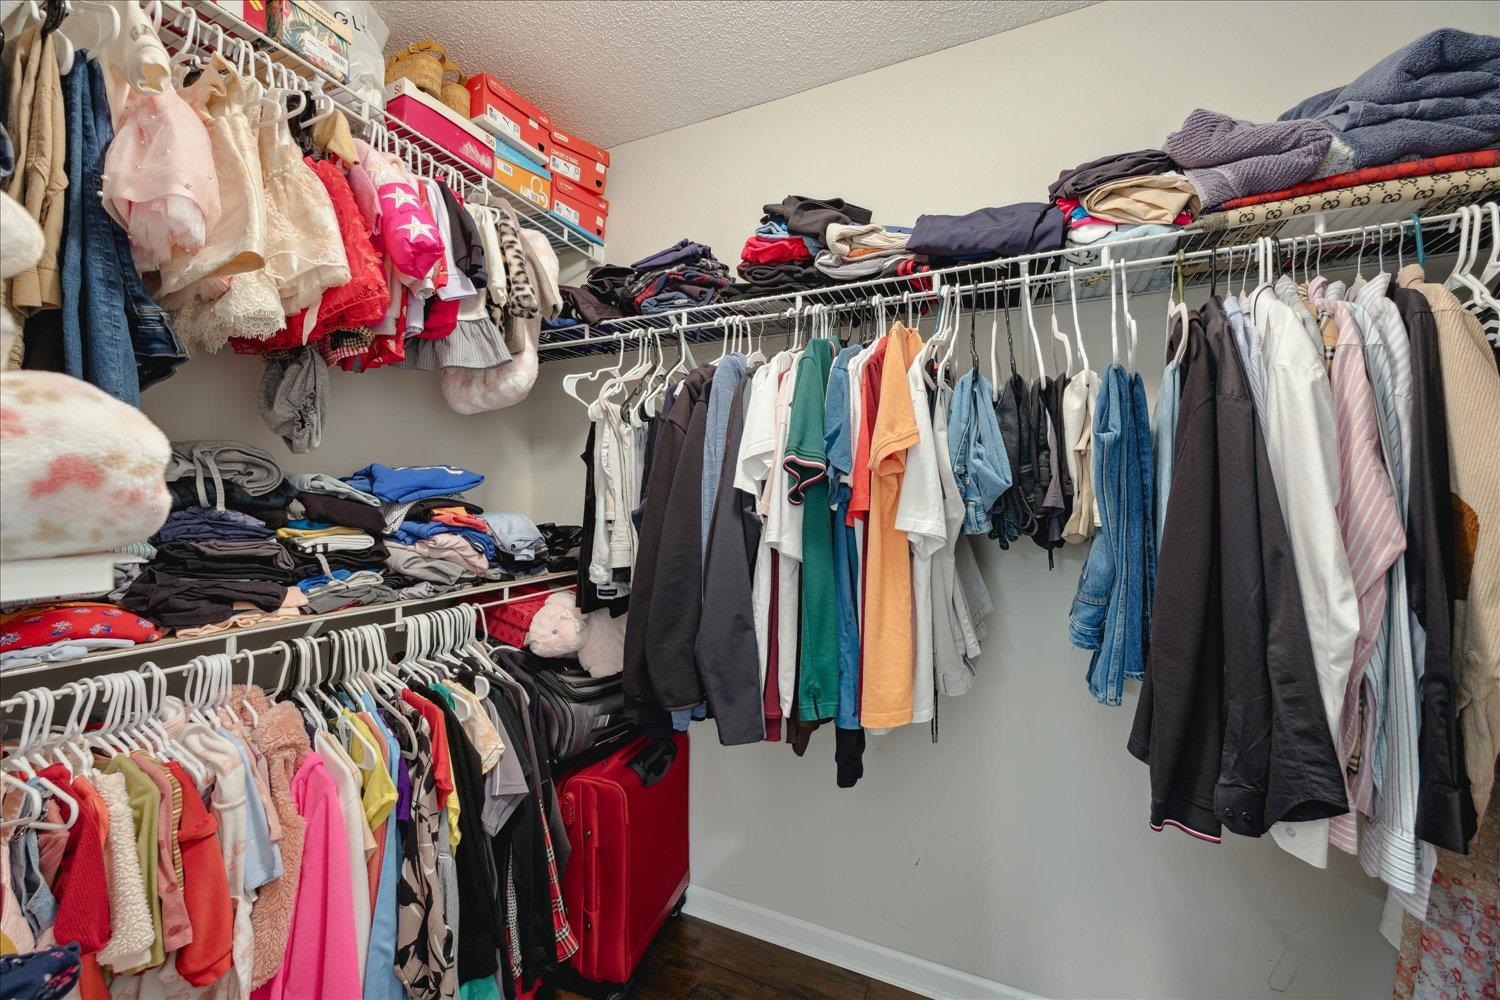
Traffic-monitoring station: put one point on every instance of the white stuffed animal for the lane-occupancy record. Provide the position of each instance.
(557, 628)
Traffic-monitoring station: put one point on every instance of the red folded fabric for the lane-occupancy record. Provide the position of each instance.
(1475, 159)
(770, 250)
(73, 620)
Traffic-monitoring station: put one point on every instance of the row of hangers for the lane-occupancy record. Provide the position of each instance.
(1262, 259)
(62, 21)
(357, 663)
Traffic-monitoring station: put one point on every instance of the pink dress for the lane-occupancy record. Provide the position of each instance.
(320, 959)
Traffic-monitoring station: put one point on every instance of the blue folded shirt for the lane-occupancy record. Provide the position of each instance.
(413, 482)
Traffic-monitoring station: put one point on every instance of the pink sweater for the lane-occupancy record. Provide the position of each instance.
(320, 959)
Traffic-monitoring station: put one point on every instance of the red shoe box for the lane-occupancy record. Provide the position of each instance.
(510, 118)
(579, 161)
(583, 208)
(441, 124)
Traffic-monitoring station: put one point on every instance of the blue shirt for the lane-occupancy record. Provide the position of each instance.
(981, 467)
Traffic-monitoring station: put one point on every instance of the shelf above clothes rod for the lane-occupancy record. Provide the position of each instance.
(365, 116)
(307, 626)
(1149, 262)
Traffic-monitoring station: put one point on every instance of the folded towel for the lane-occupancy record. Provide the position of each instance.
(1228, 158)
(1439, 94)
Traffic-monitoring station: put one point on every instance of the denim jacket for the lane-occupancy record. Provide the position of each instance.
(977, 451)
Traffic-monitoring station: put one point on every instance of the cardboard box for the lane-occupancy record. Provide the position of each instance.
(510, 118)
(583, 210)
(312, 33)
(252, 12)
(580, 161)
(515, 172)
(440, 123)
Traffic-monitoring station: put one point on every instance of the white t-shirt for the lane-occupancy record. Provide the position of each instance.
(784, 534)
(919, 513)
(752, 464)
(1301, 444)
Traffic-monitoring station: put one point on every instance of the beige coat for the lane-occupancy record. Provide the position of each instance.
(36, 112)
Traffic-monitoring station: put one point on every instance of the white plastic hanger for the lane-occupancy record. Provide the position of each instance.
(1036, 340)
(95, 31)
(1058, 336)
(1129, 319)
(1083, 354)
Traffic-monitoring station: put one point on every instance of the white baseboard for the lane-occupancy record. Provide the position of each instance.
(837, 948)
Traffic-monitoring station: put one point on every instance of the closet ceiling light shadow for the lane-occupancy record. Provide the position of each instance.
(613, 72)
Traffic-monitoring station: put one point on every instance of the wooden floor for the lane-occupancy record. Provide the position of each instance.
(696, 960)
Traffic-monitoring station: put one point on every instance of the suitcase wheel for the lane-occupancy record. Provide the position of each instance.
(677, 906)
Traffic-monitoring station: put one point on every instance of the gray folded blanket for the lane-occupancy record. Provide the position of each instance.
(1227, 158)
(1440, 94)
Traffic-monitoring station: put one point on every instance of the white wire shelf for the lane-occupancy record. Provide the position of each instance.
(1377, 231)
(174, 650)
(366, 118)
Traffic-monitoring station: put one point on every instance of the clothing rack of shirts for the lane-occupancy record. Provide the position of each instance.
(206, 28)
(1148, 264)
(335, 821)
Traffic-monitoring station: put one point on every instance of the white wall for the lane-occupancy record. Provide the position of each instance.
(1016, 849)
(390, 415)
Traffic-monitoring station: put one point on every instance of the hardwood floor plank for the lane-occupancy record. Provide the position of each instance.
(790, 973)
(693, 959)
(885, 991)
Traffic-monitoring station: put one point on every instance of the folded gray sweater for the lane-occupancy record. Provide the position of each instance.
(1227, 158)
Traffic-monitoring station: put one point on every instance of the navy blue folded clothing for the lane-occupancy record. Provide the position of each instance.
(678, 253)
(1008, 231)
(198, 523)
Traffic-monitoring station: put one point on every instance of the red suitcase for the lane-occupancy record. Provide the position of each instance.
(627, 820)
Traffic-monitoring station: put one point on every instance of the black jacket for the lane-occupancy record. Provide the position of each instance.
(641, 702)
(728, 658)
(677, 598)
(1445, 808)
(1179, 729)
(1278, 759)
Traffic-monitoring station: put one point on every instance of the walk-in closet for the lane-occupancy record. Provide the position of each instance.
(850, 500)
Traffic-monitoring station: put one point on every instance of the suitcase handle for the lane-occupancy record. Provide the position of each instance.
(651, 764)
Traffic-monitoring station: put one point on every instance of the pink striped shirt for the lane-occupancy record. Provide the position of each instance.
(1371, 527)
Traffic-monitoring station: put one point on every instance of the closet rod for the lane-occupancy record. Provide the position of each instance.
(669, 323)
(252, 654)
(169, 646)
(355, 107)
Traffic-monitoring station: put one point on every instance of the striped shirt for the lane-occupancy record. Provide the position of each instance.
(1371, 528)
(1389, 849)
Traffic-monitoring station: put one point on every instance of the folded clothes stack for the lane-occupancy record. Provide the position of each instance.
(1429, 100)
(1122, 195)
(248, 545)
(684, 274)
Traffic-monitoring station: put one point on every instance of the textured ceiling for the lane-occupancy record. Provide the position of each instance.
(617, 70)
